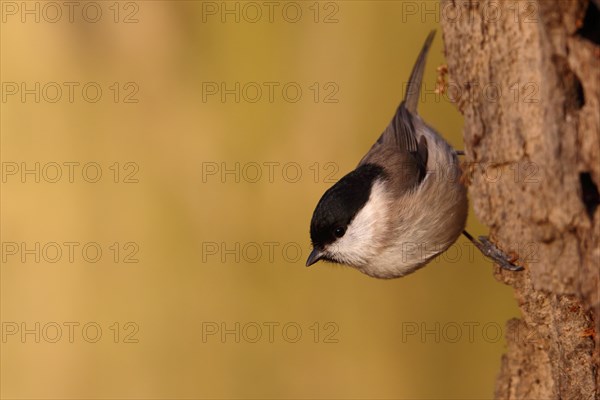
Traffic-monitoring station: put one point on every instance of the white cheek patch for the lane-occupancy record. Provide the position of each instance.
(365, 234)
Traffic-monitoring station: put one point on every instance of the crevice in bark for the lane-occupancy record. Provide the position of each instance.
(573, 89)
(589, 193)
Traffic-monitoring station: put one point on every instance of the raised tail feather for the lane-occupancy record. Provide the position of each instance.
(413, 89)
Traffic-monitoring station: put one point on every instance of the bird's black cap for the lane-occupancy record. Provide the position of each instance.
(340, 204)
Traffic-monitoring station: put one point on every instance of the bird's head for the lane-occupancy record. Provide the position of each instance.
(347, 223)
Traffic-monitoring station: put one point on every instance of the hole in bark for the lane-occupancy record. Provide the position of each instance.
(589, 193)
(579, 96)
(591, 24)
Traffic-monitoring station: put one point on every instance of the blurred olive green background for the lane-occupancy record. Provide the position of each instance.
(176, 50)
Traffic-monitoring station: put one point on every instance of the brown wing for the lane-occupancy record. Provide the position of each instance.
(398, 151)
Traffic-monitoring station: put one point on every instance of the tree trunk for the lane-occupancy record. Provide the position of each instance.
(526, 76)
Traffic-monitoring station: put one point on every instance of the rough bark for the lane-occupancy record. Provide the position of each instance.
(526, 76)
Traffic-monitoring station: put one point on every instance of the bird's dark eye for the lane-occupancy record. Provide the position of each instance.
(339, 231)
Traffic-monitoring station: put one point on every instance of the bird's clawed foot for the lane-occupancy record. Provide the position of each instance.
(490, 250)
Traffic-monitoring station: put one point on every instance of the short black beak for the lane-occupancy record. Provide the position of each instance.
(315, 255)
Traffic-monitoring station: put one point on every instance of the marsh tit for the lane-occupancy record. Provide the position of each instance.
(395, 211)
